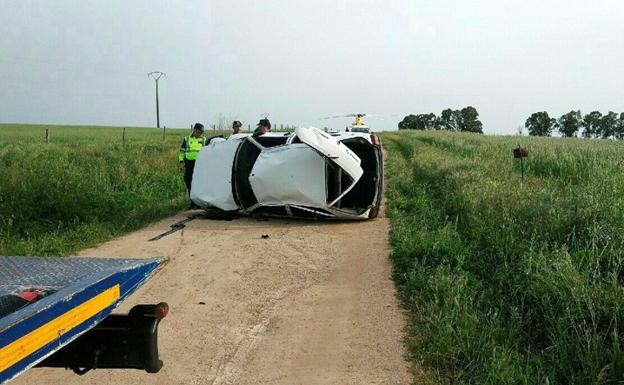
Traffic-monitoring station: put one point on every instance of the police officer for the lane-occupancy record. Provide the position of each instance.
(236, 127)
(263, 127)
(189, 150)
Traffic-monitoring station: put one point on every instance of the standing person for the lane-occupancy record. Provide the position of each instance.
(263, 127)
(236, 127)
(188, 154)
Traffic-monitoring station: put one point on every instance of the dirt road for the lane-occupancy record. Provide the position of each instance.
(312, 304)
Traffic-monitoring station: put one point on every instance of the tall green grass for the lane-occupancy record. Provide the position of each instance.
(509, 282)
(84, 187)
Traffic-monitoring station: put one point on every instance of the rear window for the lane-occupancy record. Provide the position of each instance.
(337, 181)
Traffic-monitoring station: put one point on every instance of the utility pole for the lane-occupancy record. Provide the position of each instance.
(156, 75)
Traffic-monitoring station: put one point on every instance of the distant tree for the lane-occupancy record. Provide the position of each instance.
(428, 121)
(540, 124)
(437, 124)
(570, 123)
(466, 119)
(470, 120)
(591, 124)
(408, 122)
(418, 122)
(449, 120)
(608, 125)
(619, 128)
(458, 119)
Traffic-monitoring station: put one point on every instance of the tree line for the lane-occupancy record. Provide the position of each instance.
(465, 120)
(592, 125)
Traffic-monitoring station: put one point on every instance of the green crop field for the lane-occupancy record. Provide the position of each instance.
(505, 282)
(509, 282)
(84, 186)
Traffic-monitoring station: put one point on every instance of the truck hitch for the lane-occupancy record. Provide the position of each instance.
(120, 341)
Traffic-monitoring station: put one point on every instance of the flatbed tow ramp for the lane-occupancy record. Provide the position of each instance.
(56, 312)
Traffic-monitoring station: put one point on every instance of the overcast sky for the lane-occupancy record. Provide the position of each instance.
(85, 62)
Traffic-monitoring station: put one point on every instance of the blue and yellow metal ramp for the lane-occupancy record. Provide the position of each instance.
(46, 303)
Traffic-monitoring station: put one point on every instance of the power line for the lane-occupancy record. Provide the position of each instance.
(156, 75)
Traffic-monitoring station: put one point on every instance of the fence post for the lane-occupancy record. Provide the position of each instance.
(214, 128)
(47, 135)
(164, 129)
(123, 137)
(248, 127)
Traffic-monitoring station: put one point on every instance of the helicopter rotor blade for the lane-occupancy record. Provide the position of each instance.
(371, 116)
(353, 115)
(340, 116)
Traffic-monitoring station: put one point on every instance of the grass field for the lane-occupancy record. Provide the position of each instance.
(509, 282)
(84, 187)
(505, 282)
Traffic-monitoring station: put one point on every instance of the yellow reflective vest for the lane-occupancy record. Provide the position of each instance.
(190, 147)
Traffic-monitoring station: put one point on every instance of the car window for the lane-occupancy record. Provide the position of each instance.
(271, 141)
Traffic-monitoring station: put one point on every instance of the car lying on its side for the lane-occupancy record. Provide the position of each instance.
(305, 174)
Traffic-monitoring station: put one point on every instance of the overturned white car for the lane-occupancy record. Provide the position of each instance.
(305, 174)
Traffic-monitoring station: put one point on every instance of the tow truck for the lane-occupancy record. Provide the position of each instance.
(57, 312)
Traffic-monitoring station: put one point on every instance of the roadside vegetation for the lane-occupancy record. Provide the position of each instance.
(464, 120)
(591, 125)
(85, 186)
(509, 282)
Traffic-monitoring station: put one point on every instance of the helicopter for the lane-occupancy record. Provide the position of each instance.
(358, 124)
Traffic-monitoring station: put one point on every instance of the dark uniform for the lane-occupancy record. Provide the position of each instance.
(189, 150)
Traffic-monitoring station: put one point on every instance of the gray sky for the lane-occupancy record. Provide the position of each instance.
(85, 62)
